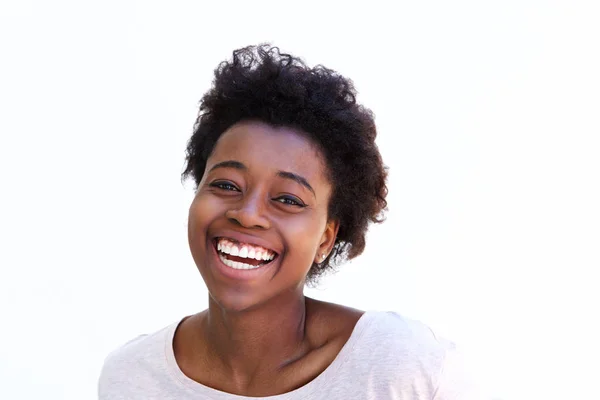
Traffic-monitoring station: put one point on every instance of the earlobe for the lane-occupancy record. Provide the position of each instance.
(328, 240)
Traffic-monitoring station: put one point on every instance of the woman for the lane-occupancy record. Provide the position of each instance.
(288, 179)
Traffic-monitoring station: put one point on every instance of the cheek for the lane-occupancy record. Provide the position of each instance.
(199, 217)
(303, 236)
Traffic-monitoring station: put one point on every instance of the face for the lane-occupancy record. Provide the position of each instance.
(259, 219)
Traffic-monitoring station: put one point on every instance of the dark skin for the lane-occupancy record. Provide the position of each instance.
(260, 335)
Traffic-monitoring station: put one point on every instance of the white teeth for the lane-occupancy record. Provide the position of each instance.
(244, 251)
(237, 265)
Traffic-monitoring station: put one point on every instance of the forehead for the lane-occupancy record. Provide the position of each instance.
(263, 147)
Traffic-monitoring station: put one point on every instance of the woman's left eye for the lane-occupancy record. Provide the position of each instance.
(290, 201)
(225, 186)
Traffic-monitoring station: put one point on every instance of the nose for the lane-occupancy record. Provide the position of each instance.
(249, 213)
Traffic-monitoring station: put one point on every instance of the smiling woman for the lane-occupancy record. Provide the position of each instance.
(260, 195)
(288, 178)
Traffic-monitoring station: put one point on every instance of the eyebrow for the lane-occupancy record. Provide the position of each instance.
(229, 164)
(296, 178)
(282, 174)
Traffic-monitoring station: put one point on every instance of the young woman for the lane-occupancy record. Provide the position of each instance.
(288, 178)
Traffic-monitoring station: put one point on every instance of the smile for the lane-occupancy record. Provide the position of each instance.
(238, 255)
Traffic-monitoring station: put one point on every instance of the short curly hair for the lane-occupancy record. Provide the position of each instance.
(261, 83)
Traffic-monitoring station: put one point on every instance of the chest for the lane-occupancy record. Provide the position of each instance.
(264, 382)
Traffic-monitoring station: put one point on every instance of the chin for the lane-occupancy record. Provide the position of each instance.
(238, 294)
(234, 302)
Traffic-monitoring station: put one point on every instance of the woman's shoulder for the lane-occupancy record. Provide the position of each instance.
(392, 344)
(140, 342)
(382, 326)
(144, 349)
(400, 329)
(388, 334)
(407, 355)
(389, 350)
(331, 319)
(406, 347)
(374, 333)
(137, 367)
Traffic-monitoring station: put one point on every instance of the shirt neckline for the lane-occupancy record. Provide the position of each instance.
(304, 391)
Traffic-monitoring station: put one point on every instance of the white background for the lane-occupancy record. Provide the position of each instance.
(488, 117)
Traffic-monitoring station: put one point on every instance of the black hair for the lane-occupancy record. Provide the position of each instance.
(261, 83)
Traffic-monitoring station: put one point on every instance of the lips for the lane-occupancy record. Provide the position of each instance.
(243, 255)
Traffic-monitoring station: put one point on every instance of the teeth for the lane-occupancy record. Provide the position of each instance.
(237, 265)
(244, 251)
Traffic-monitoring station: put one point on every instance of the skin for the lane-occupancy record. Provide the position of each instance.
(261, 336)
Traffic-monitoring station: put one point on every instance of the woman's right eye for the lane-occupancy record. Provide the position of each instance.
(225, 186)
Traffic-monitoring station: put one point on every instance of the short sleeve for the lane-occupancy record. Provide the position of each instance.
(456, 381)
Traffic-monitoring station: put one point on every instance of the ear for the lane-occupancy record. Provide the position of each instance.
(327, 240)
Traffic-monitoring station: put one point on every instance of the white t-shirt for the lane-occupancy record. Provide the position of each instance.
(386, 357)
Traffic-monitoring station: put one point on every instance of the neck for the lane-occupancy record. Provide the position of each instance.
(262, 339)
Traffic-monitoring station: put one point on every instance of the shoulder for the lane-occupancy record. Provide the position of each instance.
(330, 323)
(140, 357)
(397, 353)
(403, 340)
(139, 348)
(322, 312)
(413, 357)
(397, 330)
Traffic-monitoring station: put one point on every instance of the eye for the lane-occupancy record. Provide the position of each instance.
(291, 201)
(225, 186)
